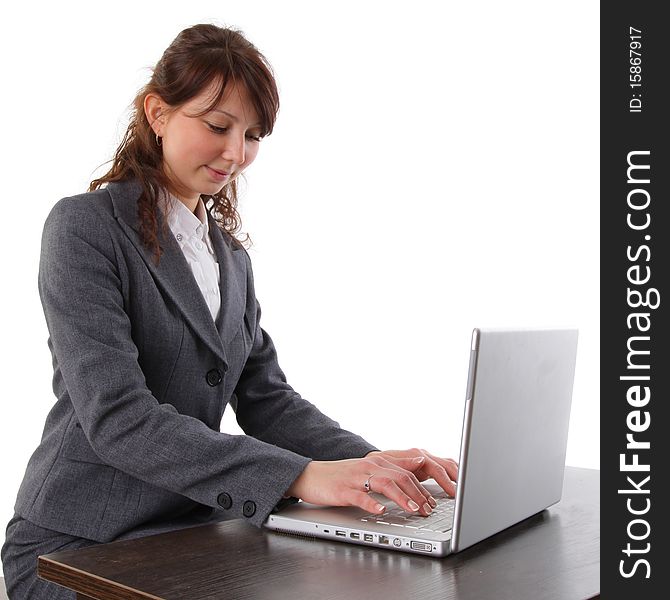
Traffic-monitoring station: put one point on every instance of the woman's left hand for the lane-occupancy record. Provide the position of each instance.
(443, 470)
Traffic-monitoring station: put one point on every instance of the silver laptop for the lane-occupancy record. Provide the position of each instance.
(512, 458)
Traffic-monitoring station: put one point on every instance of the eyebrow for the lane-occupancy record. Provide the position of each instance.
(233, 117)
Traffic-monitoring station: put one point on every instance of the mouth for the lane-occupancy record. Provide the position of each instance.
(216, 174)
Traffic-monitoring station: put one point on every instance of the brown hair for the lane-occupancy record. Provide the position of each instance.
(198, 56)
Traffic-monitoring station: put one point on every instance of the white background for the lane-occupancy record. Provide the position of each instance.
(434, 168)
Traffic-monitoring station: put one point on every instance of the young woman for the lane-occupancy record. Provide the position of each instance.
(154, 329)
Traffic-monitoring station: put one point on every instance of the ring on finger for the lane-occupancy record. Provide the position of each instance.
(366, 485)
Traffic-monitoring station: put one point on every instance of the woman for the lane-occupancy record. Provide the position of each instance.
(154, 329)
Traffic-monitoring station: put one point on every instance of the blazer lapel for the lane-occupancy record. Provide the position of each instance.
(233, 284)
(172, 273)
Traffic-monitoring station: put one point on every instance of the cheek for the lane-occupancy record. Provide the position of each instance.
(252, 151)
(197, 148)
(189, 145)
(174, 149)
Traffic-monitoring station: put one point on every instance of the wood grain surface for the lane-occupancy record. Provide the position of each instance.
(554, 555)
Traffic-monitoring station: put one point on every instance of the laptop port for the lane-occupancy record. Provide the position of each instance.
(355, 536)
(367, 537)
(422, 546)
(383, 539)
(340, 533)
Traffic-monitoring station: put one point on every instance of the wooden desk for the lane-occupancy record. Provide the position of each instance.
(553, 555)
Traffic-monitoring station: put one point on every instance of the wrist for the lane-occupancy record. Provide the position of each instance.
(296, 488)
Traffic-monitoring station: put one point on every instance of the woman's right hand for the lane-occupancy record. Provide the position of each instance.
(342, 483)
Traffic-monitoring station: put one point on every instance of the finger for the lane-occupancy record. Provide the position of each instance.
(412, 462)
(366, 502)
(412, 486)
(403, 489)
(439, 473)
(449, 464)
(412, 452)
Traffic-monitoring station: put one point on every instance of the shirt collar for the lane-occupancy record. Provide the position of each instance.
(183, 222)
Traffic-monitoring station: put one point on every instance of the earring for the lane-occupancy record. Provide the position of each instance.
(158, 141)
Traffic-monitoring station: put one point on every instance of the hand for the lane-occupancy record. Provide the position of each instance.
(443, 470)
(342, 483)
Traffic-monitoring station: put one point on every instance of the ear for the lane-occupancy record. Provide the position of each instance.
(155, 110)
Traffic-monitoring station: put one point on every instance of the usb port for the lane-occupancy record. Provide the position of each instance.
(340, 533)
(383, 539)
(355, 536)
(367, 537)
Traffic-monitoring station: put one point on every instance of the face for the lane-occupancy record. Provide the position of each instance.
(203, 153)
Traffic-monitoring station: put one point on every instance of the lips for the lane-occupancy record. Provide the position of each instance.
(216, 174)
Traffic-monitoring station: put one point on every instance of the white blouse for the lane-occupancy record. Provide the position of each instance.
(191, 231)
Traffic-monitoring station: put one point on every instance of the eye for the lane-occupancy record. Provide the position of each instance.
(216, 128)
(220, 130)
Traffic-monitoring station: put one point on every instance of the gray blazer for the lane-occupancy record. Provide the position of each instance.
(142, 375)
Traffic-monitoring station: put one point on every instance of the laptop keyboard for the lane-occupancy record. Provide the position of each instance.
(440, 520)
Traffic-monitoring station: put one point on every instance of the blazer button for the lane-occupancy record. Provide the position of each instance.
(249, 508)
(213, 377)
(224, 500)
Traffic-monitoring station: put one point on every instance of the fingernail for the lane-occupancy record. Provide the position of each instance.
(427, 508)
(380, 508)
(418, 460)
(432, 501)
(413, 505)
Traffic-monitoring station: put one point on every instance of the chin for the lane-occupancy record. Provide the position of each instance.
(210, 190)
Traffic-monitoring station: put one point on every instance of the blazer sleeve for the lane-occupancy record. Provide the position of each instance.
(80, 284)
(269, 409)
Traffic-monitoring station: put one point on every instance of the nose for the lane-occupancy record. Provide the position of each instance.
(234, 149)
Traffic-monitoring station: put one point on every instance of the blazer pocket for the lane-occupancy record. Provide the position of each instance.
(76, 446)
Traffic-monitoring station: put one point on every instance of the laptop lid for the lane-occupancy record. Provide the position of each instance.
(515, 429)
